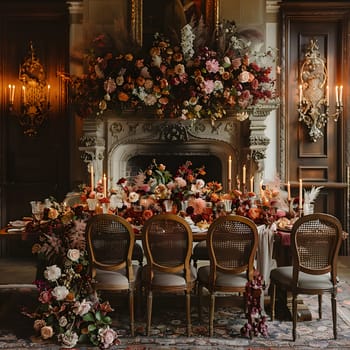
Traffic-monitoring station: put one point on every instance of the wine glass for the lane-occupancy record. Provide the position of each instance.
(37, 210)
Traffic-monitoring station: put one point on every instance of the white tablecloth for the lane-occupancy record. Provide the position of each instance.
(264, 261)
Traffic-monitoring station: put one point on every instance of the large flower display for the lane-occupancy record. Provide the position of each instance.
(185, 81)
(69, 311)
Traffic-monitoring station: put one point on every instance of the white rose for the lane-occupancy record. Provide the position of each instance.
(63, 321)
(68, 339)
(73, 254)
(60, 292)
(82, 308)
(107, 336)
(133, 197)
(52, 273)
(200, 183)
(99, 195)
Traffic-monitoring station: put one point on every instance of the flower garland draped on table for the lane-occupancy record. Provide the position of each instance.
(186, 81)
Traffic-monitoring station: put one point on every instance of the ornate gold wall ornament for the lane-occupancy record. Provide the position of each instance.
(313, 105)
(35, 94)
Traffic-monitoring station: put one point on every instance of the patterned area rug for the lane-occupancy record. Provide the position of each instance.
(169, 330)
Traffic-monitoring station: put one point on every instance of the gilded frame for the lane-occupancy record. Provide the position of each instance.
(136, 18)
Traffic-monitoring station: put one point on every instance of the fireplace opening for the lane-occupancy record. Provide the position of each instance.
(212, 164)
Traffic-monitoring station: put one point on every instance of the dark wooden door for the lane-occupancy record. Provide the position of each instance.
(321, 162)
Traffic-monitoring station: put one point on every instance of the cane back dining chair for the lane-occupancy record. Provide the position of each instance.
(232, 243)
(167, 243)
(315, 243)
(110, 243)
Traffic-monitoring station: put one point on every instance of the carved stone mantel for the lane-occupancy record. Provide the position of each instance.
(109, 143)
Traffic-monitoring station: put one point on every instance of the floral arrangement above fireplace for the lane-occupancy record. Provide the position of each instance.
(187, 81)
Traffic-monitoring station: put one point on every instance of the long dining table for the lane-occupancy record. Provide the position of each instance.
(264, 259)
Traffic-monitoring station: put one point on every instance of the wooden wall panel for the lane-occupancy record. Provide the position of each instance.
(33, 168)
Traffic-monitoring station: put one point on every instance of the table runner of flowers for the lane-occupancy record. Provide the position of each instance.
(197, 79)
(69, 309)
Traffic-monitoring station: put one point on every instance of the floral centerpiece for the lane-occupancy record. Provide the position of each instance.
(185, 81)
(266, 208)
(69, 309)
(189, 194)
(153, 188)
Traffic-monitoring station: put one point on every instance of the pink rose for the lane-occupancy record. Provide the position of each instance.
(244, 77)
(81, 308)
(236, 63)
(255, 84)
(45, 297)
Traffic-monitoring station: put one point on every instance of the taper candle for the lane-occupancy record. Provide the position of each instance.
(252, 184)
(337, 95)
(12, 93)
(300, 194)
(288, 190)
(48, 93)
(24, 94)
(300, 94)
(104, 186)
(92, 177)
(341, 95)
(229, 168)
(244, 174)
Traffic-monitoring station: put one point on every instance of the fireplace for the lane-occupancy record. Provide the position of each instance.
(120, 146)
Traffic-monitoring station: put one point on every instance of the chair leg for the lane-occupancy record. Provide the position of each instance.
(131, 312)
(334, 314)
(138, 301)
(211, 314)
(320, 306)
(273, 300)
(295, 315)
(199, 301)
(188, 313)
(149, 311)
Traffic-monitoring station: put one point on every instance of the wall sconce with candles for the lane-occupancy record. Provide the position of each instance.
(313, 107)
(34, 97)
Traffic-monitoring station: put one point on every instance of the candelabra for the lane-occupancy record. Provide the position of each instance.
(35, 95)
(313, 107)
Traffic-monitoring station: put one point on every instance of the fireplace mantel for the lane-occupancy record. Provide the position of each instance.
(109, 143)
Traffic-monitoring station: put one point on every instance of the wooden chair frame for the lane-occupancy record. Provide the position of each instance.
(116, 228)
(315, 244)
(174, 232)
(231, 229)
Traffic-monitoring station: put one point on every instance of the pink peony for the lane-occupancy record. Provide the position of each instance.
(212, 66)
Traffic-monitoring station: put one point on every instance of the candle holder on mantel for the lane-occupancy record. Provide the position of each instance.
(300, 212)
(291, 212)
